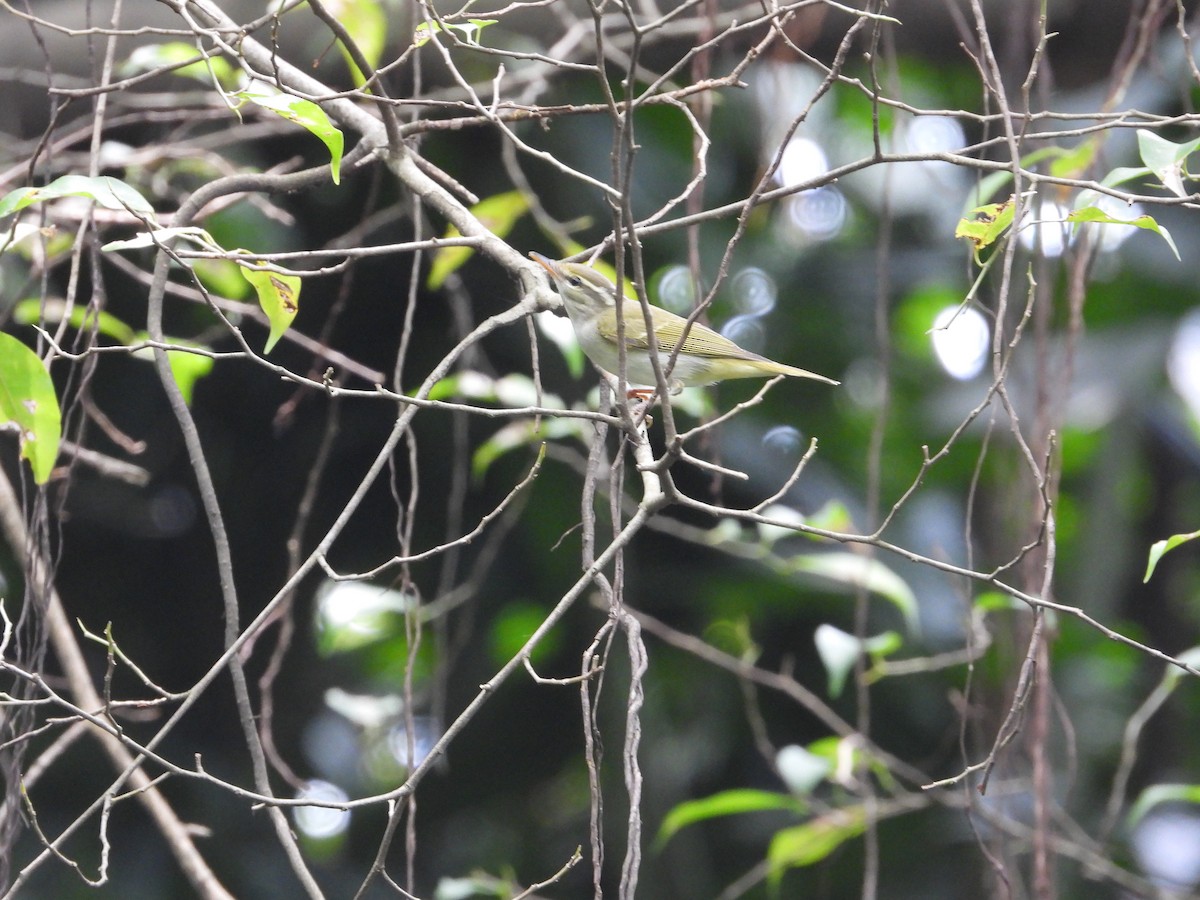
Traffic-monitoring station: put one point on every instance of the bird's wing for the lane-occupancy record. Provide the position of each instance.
(701, 340)
(635, 326)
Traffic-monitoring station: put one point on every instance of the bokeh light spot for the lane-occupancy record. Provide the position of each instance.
(747, 332)
(754, 291)
(320, 822)
(1183, 362)
(783, 440)
(933, 134)
(961, 339)
(803, 160)
(425, 735)
(172, 511)
(676, 291)
(817, 215)
(1167, 847)
(1047, 231)
(865, 383)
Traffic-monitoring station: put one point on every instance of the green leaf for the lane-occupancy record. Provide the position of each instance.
(513, 390)
(512, 628)
(734, 636)
(996, 601)
(1074, 162)
(883, 644)
(144, 239)
(218, 274)
(1173, 673)
(81, 318)
(1166, 159)
(20, 231)
(187, 369)
(470, 30)
(987, 188)
(204, 70)
(801, 769)
(498, 214)
(559, 329)
(785, 520)
(351, 615)
(279, 297)
(991, 184)
(1122, 174)
(523, 432)
(1161, 548)
(306, 114)
(854, 571)
(803, 845)
(838, 651)
(832, 516)
(1098, 215)
(222, 276)
(846, 753)
(1161, 793)
(27, 398)
(366, 23)
(725, 803)
(109, 192)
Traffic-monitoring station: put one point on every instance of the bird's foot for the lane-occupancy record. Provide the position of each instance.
(645, 393)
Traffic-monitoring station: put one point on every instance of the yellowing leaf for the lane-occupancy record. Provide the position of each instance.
(990, 221)
(279, 297)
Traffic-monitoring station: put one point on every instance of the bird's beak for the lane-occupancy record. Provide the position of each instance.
(551, 268)
(546, 263)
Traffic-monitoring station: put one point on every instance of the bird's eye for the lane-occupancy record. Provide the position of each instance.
(574, 281)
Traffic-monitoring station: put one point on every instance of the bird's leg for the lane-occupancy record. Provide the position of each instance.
(643, 396)
(674, 389)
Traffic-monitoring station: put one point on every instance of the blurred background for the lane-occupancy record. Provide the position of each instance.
(861, 279)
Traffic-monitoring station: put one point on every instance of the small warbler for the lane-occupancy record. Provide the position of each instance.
(706, 357)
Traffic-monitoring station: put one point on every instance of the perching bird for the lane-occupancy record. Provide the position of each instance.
(706, 357)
